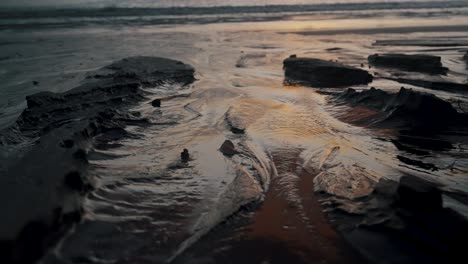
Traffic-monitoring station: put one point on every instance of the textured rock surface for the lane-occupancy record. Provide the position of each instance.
(452, 87)
(321, 73)
(416, 63)
(404, 222)
(407, 108)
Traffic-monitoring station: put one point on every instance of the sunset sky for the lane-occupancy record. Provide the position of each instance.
(158, 3)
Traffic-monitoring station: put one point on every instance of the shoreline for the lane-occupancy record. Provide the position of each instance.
(53, 19)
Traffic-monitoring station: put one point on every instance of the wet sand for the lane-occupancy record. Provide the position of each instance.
(298, 222)
(288, 226)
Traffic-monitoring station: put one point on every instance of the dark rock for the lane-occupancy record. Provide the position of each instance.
(72, 217)
(435, 85)
(31, 242)
(136, 114)
(416, 63)
(321, 73)
(416, 194)
(57, 217)
(117, 100)
(35, 83)
(237, 130)
(6, 251)
(42, 98)
(372, 98)
(407, 108)
(410, 149)
(118, 85)
(404, 222)
(421, 110)
(185, 156)
(35, 237)
(80, 155)
(422, 42)
(228, 149)
(156, 103)
(152, 70)
(424, 140)
(418, 163)
(67, 143)
(74, 181)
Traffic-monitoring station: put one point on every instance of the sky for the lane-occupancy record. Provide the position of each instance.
(165, 3)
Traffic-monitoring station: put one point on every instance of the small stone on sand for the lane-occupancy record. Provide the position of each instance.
(184, 155)
(228, 149)
(156, 103)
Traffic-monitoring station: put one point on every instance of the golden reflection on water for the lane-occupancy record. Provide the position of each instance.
(317, 23)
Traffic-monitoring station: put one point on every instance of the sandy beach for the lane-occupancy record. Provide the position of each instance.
(91, 167)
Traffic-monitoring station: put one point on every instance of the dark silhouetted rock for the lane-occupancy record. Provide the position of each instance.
(416, 194)
(156, 103)
(81, 155)
(409, 148)
(185, 156)
(67, 143)
(372, 98)
(228, 149)
(42, 98)
(424, 140)
(72, 217)
(423, 42)
(407, 108)
(421, 110)
(237, 130)
(416, 63)
(447, 86)
(321, 73)
(30, 243)
(418, 163)
(74, 181)
(35, 83)
(136, 114)
(6, 251)
(402, 222)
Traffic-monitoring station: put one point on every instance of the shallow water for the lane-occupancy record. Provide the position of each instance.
(151, 208)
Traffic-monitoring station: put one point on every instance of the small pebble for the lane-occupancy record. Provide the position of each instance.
(156, 103)
(184, 155)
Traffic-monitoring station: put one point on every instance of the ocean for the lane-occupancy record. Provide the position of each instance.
(53, 13)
